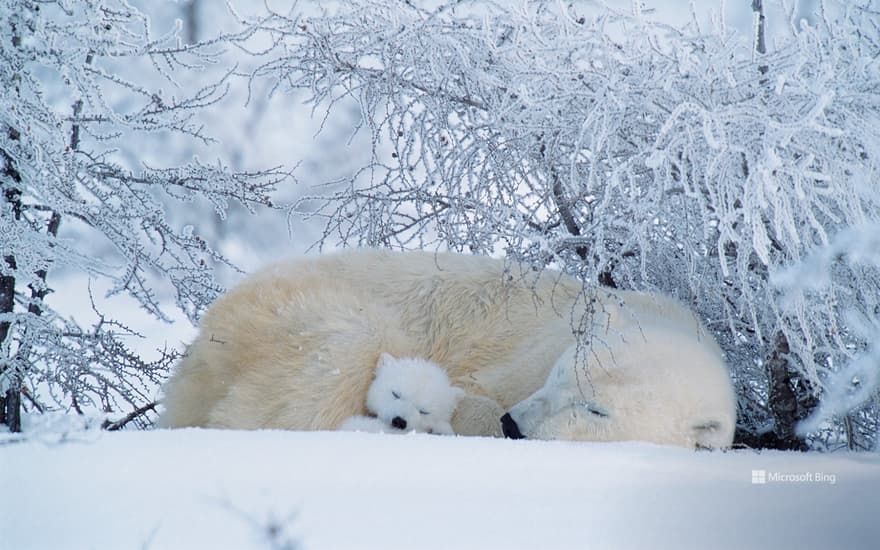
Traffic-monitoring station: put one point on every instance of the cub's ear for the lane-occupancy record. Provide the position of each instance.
(385, 359)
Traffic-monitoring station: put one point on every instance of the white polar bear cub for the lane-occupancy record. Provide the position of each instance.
(408, 394)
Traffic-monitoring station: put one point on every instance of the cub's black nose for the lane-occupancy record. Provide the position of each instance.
(398, 423)
(510, 428)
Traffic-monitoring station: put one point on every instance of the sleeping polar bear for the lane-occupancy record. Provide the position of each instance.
(295, 346)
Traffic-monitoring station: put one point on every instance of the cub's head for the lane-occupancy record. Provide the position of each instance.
(412, 394)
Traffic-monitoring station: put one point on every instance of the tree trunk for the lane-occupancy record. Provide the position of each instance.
(191, 21)
(10, 400)
(760, 39)
(7, 302)
(12, 417)
(782, 399)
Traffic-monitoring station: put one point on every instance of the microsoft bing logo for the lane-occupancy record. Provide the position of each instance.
(763, 477)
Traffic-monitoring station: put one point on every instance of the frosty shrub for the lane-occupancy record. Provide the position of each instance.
(693, 161)
(64, 111)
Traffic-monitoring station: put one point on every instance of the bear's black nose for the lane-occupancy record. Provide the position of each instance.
(398, 423)
(510, 427)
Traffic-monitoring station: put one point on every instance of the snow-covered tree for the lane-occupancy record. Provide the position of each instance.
(694, 161)
(253, 128)
(65, 112)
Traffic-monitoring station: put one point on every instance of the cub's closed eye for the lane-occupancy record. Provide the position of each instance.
(395, 395)
(423, 412)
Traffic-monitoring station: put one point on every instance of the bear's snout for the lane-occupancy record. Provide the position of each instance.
(510, 427)
(398, 423)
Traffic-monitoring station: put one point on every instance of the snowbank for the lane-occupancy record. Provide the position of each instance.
(335, 490)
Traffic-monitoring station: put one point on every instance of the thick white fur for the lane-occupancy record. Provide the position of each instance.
(409, 392)
(295, 345)
(655, 374)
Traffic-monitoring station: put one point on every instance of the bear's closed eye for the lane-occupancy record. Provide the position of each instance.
(594, 410)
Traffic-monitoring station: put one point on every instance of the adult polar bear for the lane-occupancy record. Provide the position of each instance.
(295, 346)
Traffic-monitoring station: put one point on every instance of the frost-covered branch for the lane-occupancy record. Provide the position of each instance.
(66, 110)
(620, 149)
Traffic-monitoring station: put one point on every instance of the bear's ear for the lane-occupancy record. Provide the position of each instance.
(385, 359)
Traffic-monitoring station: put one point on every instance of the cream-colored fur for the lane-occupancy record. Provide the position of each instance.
(295, 345)
(477, 415)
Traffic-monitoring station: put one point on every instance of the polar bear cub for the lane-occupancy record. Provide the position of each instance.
(407, 394)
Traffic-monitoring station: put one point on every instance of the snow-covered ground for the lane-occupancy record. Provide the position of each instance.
(336, 490)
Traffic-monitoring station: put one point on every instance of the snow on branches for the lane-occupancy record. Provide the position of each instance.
(65, 111)
(624, 150)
